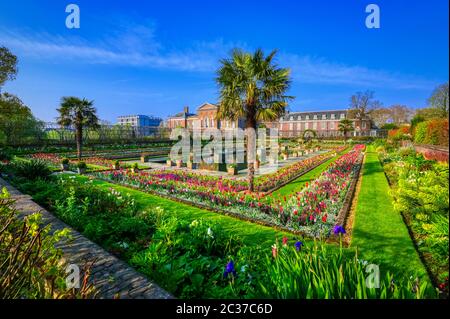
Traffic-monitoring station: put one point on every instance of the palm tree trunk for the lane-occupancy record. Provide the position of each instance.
(251, 147)
(79, 133)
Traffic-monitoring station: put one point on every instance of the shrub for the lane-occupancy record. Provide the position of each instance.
(32, 170)
(399, 134)
(81, 165)
(433, 132)
(29, 262)
(420, 133)
(5, 155)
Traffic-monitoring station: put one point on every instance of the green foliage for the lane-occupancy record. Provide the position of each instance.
(5, 155)
(65, 161)
(320, 273)
(31, 170)
(8, 65)
(81, 165)
(420, 191)
(29, 261)
(389, 126)
(17, 123)
(188, 259)
(433, 132)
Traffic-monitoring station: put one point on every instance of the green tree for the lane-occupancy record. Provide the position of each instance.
(8, 66)
(252, 87)
(439, 100)
(17, 123)
(79, 113)
(345, 126)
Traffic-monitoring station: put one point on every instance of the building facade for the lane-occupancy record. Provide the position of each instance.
(323, 123)
(139, 120)
(206, 116)
(140, 125)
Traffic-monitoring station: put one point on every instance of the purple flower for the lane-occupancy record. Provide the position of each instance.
(298, 245)
(338, 229)
(229, 269)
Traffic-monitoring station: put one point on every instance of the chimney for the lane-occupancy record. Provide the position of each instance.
(186, 109)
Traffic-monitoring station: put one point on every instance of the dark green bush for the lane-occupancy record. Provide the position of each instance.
(31, 170)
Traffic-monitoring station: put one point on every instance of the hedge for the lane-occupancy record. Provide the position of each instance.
(432, 132)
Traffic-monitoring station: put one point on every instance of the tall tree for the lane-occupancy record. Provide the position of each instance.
(345, 126)
(253, 87)
(17, 123)
(8, 66)
(439, 99)
(362, 105)
(79, 113)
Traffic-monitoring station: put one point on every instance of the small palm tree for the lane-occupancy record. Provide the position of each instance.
(254, 88)
(345, 126)
(79, 113)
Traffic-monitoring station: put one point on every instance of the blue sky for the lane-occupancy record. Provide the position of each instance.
(154, 57)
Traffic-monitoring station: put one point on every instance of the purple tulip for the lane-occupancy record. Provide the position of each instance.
(298, 245)
(338, 229)
(229, 269)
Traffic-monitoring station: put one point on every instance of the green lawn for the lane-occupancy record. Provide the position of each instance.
(298, 184)
(379, 233)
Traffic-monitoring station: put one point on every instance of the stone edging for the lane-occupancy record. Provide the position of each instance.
(112, 277)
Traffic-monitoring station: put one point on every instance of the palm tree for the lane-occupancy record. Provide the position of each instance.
(79, 113)
(252, 87)
(345, 126)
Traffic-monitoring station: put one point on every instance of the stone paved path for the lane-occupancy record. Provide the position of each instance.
(111, 277)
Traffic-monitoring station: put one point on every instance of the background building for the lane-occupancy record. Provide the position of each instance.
(206, 115)
(139, 120)
(141, 125)
(324, 123)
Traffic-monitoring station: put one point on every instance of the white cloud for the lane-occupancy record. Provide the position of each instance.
(307, 69)
(137, 46)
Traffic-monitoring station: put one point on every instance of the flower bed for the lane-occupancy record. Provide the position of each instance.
(55, 160)
(287, 173)
(311, 211)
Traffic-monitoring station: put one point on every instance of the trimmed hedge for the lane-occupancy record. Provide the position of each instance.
(432, 132)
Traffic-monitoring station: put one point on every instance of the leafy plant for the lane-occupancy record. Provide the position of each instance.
(29, 260)
(319, 272)
(31, 170)
(81, 165)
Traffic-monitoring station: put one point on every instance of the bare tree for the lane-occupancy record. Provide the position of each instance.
(362, 105)
(380, 116)
(400, 114)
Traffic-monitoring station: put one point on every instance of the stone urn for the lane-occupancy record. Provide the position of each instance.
(179, 163)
